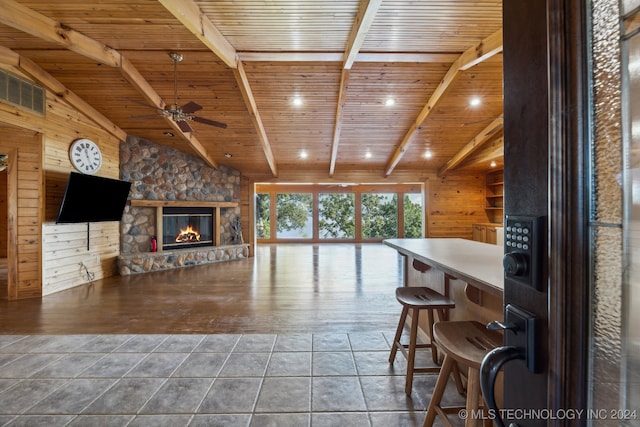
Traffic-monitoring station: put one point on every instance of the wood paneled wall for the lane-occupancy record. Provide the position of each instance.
(24, 212)
(247, 212)
(3, 214)
(453, 203)
(52, 257)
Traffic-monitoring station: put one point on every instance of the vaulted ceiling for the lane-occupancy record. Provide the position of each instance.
(247, 61)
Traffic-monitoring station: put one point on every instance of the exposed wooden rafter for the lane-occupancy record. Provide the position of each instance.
(412, 57)
(190, 15)
(31, 22)
(472, 146)
(472, 56)
(344, 82)
(20, 17)
(245, 88)
(366, 13)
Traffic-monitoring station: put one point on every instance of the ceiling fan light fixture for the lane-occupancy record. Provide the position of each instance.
(176, 56)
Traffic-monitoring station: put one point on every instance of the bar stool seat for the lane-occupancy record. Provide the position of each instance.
(416, 299)
(466, 343)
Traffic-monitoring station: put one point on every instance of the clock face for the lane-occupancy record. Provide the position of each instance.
(85, 156)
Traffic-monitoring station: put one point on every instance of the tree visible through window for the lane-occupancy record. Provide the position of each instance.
(294, 215)
(366, 213)
(263, 215)
(336, 215)
(413, 215)
(379, 215)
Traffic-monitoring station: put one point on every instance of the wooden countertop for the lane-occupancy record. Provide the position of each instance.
(479, 264)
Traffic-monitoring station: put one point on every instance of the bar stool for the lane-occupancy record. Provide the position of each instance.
(466, 343)
(417, 299)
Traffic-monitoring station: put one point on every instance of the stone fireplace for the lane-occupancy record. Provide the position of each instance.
(164, 179)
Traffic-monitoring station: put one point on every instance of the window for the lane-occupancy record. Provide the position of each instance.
(263, 216)
(413, 215)
(336, 212)
(294, 215)
(333, 212)
(379, 215)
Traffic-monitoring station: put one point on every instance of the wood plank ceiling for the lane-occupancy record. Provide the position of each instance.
(246, 61)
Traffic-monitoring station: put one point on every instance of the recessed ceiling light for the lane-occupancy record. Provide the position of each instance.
(493, 164)
(428, 154)
(169, 134)
(390, 102)
(228, 155)
(367, 155)
(475, 101)
(304, 154)
(297, 101)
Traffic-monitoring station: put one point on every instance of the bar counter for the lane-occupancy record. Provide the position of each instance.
(478, 264)
(467, 271)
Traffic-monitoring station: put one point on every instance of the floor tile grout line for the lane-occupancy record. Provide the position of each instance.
(168, 377)
(197, 410)
(352, 352)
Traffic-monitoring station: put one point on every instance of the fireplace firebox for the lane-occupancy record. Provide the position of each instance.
(187, 227)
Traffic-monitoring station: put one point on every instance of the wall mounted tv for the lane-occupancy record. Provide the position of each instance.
(89, 198)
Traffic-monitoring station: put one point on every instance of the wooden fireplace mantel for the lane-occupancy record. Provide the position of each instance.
(159, 204)
(186, 203)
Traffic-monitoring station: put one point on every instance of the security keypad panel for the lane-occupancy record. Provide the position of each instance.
(523, 246)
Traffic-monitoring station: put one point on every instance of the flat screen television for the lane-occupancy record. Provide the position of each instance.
(89, 198)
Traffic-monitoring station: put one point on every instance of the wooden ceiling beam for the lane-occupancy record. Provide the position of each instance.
(484, 50)
(190, 15)
(472, 146)
(31, 22)
(491, 152)
(344, 82)
(400, 57)
(472, 56)
(245, 89)
(366, 14)
(20, 17)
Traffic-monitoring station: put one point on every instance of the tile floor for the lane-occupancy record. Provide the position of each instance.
(208, 380)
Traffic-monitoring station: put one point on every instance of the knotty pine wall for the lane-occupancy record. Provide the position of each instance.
(54, 256)
(3, 214)
(453, 203)
(24, 184)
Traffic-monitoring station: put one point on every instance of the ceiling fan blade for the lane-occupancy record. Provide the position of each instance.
(209, 122)
(184, 126)
(190, 107)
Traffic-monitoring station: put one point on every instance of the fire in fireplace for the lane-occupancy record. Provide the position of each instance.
(187, 227)
(188, 235)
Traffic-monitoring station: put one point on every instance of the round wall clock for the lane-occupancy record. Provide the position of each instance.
(85, 156)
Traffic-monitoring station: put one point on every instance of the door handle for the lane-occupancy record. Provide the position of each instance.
(521, 327)
(489, 368)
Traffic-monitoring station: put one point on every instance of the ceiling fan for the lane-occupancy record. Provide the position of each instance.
(181, 114)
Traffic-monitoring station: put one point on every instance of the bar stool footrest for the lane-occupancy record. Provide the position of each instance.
(449, 410)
